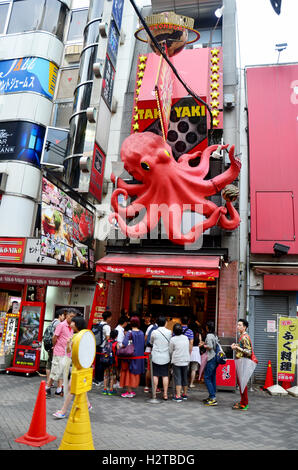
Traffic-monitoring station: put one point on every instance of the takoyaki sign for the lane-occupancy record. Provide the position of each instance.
(66, 227)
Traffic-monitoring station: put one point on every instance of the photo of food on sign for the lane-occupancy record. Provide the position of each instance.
(66, 227)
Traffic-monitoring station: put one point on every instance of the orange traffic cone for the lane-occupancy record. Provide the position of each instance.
(269, 377)
(37, 435)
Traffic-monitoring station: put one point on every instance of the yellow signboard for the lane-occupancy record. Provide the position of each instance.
(287, 348)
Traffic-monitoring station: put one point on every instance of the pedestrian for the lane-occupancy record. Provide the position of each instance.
(195, 357)
(122, 324)
(77, 324)
(160, 339)
(210, 369)
(110, 373)
(62, 334)
(148, 348)
(105, 330)
(180, 357)
(187, 332)
(145, 322)
(246, 362)
(131, 370)
(59, 317)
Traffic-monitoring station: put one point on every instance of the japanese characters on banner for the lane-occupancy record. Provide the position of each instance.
(287, 348)
(12, 250)
(99, 303)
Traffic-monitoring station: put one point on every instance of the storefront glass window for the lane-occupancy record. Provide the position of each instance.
(3, 15)
(77, 24)
(45, 15)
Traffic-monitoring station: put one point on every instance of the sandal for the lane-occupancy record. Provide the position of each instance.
(238, 406)
(165, 398)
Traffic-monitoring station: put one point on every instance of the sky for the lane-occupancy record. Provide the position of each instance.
(260, 29)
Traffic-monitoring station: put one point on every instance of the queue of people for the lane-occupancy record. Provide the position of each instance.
(182, 355)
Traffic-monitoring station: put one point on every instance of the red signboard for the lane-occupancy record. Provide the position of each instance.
(272, 97)
(226, 375)
(12, 250)
(97, 172)
(99, 303)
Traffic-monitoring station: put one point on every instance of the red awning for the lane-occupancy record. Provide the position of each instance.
(38, 277)
(174, 266)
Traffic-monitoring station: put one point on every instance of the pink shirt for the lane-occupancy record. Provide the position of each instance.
(63, 332)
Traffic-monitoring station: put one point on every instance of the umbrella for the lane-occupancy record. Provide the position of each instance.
(244, 369)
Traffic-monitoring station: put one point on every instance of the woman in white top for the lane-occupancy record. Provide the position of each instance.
(160, 339)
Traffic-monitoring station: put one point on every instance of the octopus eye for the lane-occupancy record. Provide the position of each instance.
(145, 166)
(167, 153)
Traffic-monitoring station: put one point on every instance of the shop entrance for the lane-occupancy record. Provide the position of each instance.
(175, 299)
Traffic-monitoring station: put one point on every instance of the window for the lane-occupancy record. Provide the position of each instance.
(4, 7)
(63, 112)
(55, 147)
(67, 83)
(77, 24)
(45, 15)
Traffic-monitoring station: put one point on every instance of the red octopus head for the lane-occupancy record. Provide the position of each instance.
(143, 153)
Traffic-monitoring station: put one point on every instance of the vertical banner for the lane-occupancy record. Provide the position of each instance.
(287, 348)
(99, 302)
(163, 92)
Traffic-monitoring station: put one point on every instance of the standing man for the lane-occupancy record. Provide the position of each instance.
(62, 334)
(59, 317)
(187, 332)
(123, 322)
(210, 369)
(244, 354)
(105, 328)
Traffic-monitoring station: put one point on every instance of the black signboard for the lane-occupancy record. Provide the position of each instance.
(25, 357)
(21, 141)
(108, 82)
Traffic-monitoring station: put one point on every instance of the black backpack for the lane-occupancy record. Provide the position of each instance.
(97, 330)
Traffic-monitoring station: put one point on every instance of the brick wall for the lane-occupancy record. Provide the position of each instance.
(228, 300)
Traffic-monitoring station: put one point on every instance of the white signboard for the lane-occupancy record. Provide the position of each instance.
(33, 256)
(271, 326)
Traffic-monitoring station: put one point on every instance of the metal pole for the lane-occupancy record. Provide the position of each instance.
(153, 399)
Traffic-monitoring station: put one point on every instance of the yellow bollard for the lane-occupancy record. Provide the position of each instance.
(78, 434)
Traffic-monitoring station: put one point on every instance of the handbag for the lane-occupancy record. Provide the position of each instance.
(127, 351)
(221, 358)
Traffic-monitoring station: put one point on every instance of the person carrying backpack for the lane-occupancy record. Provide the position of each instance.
(210, 369)
(110, 373)
(48, 339)
(102, 331)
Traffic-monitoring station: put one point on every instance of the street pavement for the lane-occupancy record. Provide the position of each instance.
(271, 423)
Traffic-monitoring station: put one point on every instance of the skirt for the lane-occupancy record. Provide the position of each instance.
(160, 370)
(195, 355)
(127, 379)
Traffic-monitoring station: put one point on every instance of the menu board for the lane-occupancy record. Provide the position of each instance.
(66, 227)
(29, 326)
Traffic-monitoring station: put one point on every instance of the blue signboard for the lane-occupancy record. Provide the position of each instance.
(29, 74)
(117, 12)
(113, 41)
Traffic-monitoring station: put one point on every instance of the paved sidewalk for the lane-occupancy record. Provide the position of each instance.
(134, 424)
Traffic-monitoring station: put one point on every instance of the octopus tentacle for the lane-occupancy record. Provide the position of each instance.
(132, 189)
(138, 230)
(233, 222)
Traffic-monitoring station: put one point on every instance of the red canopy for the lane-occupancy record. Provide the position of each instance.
(181, 266)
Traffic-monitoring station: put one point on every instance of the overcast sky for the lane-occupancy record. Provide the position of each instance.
(260, 29)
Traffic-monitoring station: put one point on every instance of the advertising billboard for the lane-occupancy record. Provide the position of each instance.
(21, 141)
(66, 227)
(97, 172)
(29, 74)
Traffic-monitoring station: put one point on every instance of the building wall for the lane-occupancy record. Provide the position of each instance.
(228, 301)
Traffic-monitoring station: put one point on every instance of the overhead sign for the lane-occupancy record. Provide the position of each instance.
(66, 227)
(12, 250)
(29, 74)
(287, 348)
(21, 141)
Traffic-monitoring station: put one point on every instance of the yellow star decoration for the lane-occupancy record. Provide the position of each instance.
(139, 82)
(214, 77)
(215, 68)
(137, 91)
(214, 104)
(136, 117)
(215, 122)
(136, 109)
(214, 52)
(214, 86)
(214, 60)
(141, 74)
(142, 66)
(214, 94)
(135, 126)
(143, 58)
(215, 112)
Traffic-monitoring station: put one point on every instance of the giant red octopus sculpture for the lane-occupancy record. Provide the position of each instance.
(167, 187)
